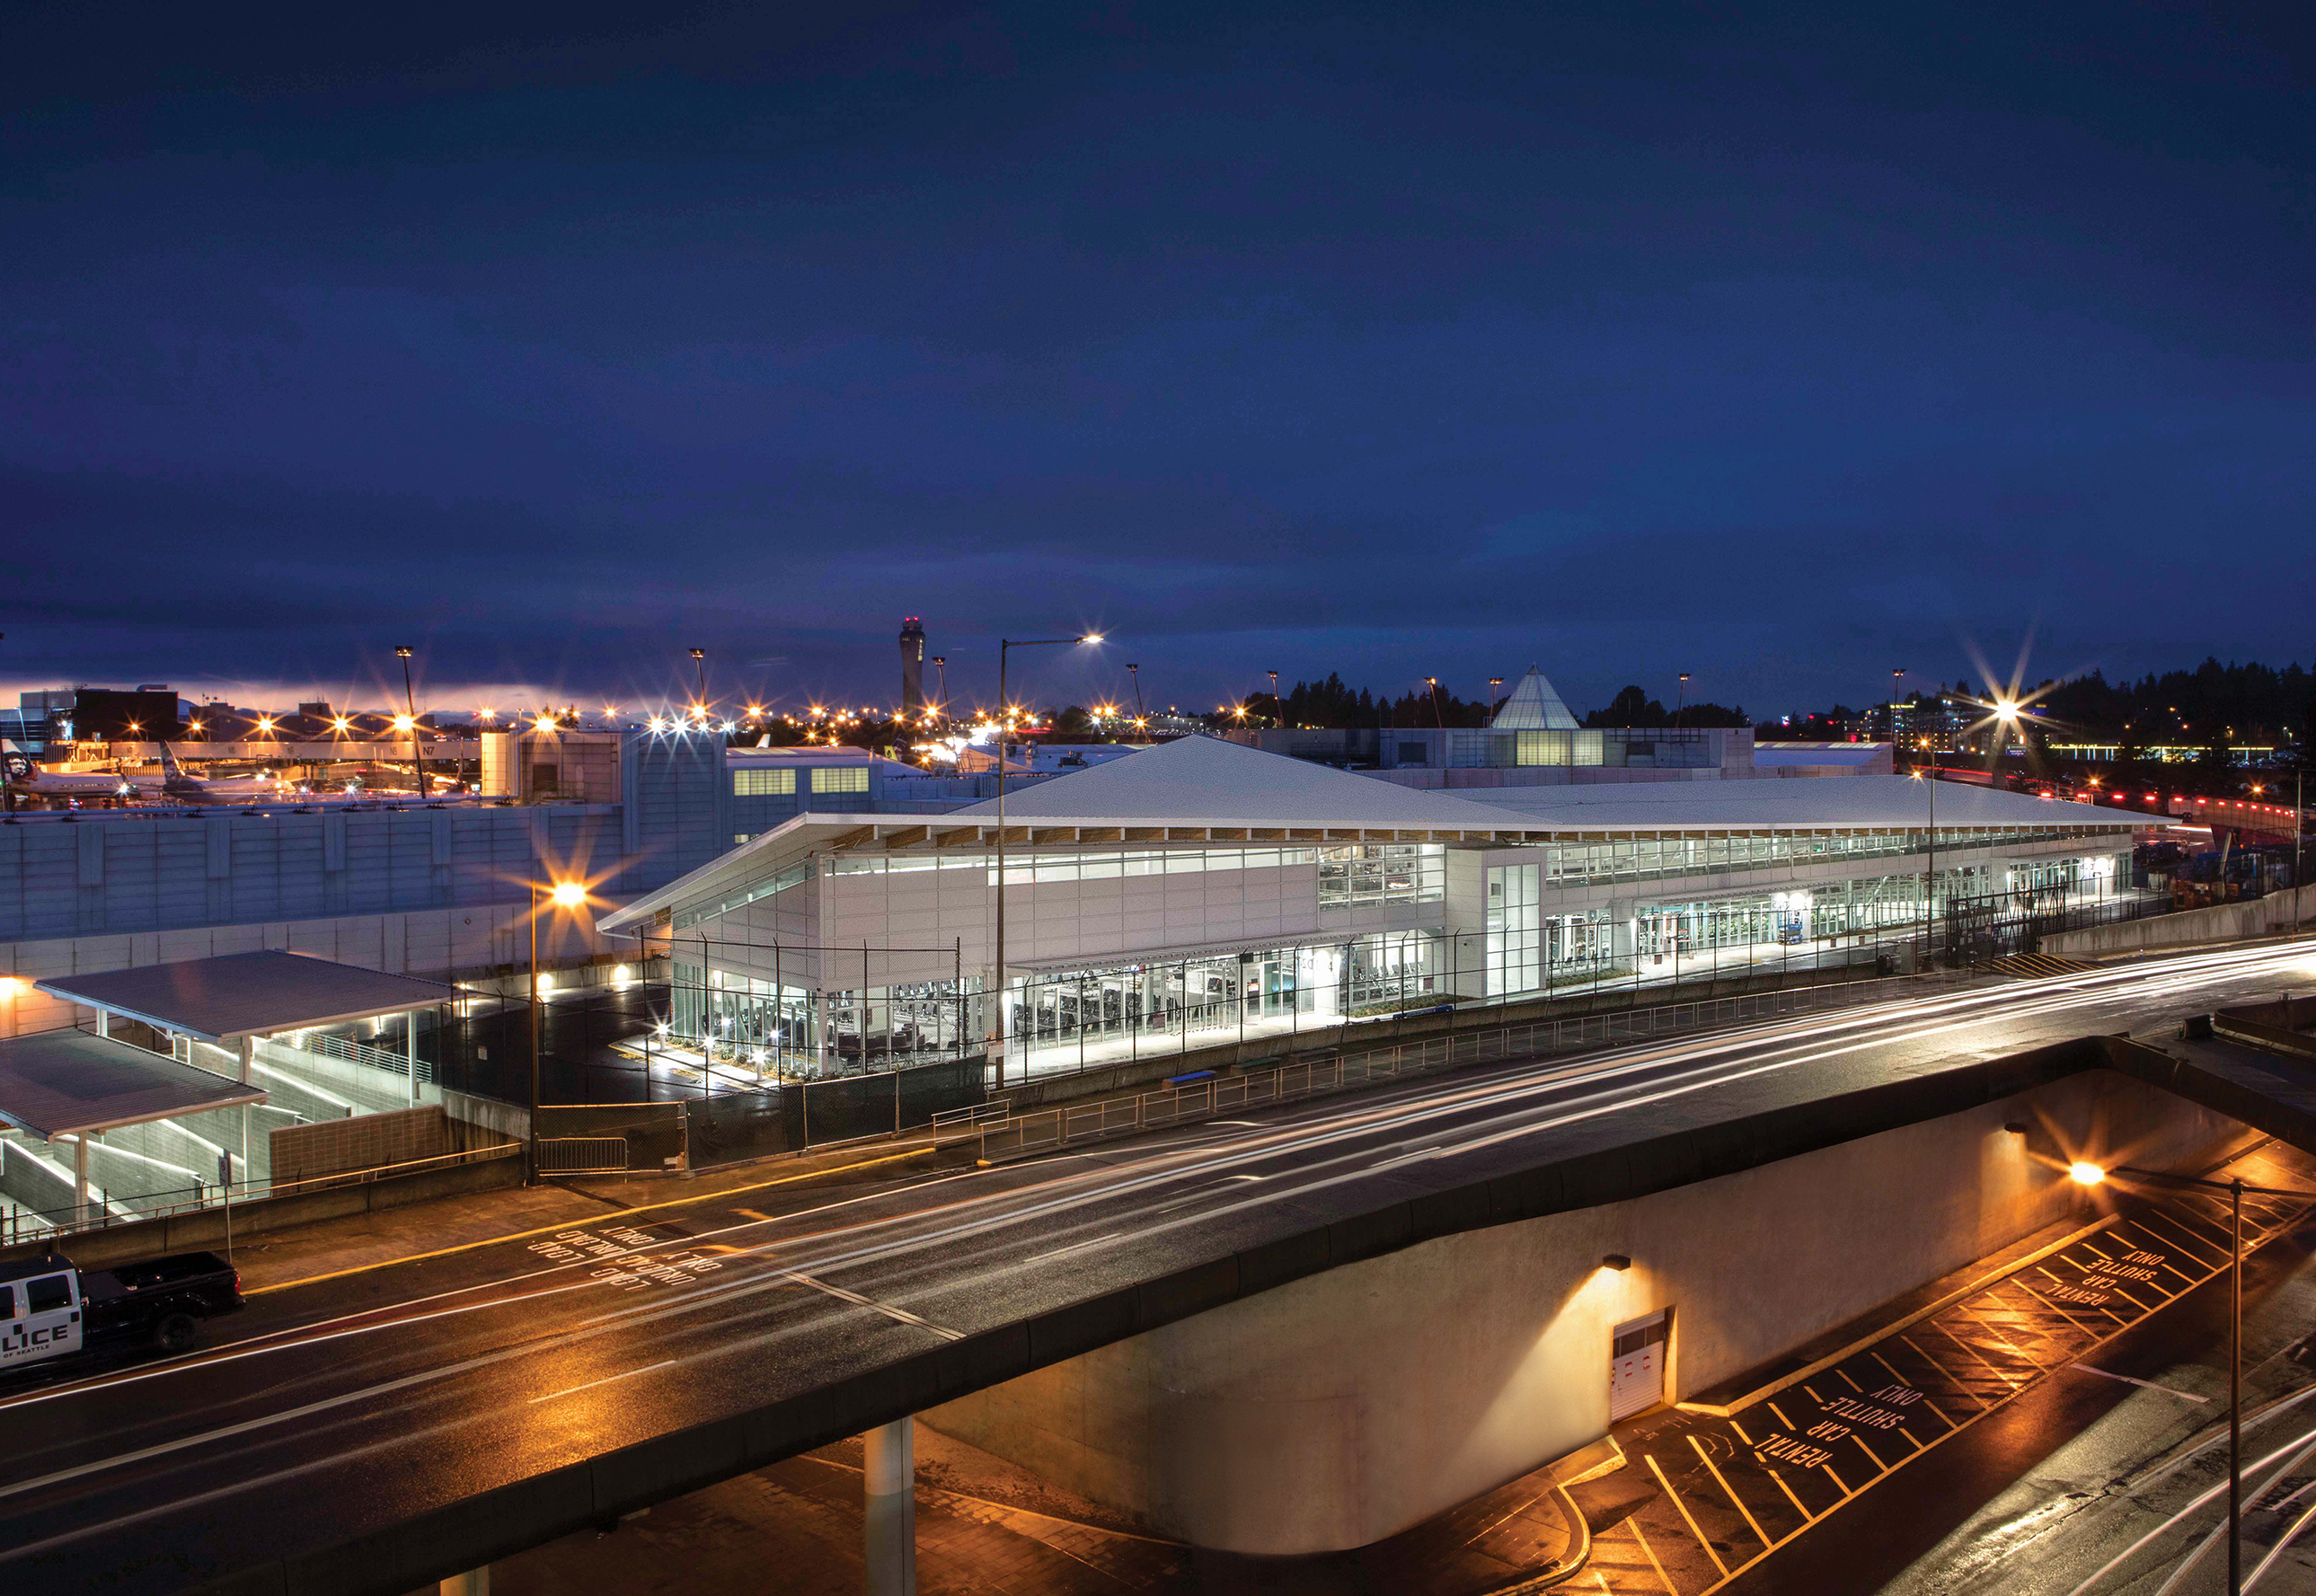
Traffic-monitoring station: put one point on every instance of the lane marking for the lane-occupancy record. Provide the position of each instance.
(607, 1380)
(1430, 1152)
(887, 1308)
(1076, 1246)
(2149, 1384)
(469, 1246)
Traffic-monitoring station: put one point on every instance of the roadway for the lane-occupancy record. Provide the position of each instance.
(375, 1431)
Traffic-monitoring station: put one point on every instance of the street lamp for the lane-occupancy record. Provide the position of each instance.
(564, 895)
(700, 671)
(1141, 717)
(1275, 719)
(2084, 1173)
(410, 702)
(1006, 646)
(1929, 877)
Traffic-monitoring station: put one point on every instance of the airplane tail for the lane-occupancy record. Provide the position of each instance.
(169, 771)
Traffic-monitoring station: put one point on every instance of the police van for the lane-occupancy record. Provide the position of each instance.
(50, 1310)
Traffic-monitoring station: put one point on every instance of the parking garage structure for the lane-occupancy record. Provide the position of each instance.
(1203, 891)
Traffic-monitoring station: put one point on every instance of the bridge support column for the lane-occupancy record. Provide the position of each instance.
(474, 1581)
(890, 1477)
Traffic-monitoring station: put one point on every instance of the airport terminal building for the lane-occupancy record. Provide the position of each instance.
(1205, 890)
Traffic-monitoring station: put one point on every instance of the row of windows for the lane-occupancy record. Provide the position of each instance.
(1382, 872)
(782, 783)
(1638, 858)
(1021, 869)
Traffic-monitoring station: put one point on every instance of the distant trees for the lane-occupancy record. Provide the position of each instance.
(2249, 702)
(1632, 707)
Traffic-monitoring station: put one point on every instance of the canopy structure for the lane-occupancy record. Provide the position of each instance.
(68, 1083)
(237, 996)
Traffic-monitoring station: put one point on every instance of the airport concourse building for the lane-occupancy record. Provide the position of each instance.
(1205, 891)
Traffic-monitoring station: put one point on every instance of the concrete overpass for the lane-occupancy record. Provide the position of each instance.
(374, 1434)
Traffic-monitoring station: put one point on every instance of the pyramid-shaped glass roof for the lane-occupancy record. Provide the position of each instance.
(1533, 706)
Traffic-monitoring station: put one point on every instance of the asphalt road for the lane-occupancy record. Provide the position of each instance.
(329, 1412)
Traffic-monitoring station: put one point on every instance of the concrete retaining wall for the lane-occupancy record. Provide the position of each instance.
(1345, 1406)
(2222, 922)
(204, 1229)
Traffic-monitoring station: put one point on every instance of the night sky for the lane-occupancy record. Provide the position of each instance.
(1782, 348)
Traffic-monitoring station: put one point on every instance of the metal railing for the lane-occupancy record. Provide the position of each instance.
(583, 1154)
(22, 1224)
(975, 1114)
(1022, 1135)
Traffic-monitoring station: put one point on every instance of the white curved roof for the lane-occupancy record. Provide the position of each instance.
(1870, 801)
(1204, 780)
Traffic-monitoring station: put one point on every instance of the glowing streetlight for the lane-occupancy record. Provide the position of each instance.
(2084, 1173)
(410, 722)
(566, 896)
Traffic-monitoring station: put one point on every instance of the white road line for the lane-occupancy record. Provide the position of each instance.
(1076, 1246)
(887, 1308)
(1430, 1152)
(607, 1380)
(2150, 1385)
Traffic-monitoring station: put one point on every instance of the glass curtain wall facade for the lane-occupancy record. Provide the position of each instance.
(741, 1022)
(1074, 1019)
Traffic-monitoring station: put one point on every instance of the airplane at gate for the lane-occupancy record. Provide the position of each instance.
(177, 787)
(26, 779)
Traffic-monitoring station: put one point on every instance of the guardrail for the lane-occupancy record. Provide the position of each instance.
(975, 1114)
(1027, 1134)
(20, 1224)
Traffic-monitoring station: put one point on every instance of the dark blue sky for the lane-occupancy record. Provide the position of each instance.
(1781, 347)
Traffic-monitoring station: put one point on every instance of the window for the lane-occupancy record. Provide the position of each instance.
(763, 784)
(840, 778)
(47, 1292)
(7, 1302)
(1385, 873)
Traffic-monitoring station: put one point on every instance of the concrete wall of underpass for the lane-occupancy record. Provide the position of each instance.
(1340, 1408)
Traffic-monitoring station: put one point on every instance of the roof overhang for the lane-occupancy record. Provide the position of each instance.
(67, 1082)
(232, 996)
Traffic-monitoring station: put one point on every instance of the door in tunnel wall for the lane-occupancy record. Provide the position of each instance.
(1636, 1365)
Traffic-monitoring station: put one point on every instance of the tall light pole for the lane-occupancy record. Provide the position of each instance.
(1135, 671)
(410, 704)
(2091, 1174)
(1931, 875)
(1495, 695)
(940, 675)
(1681, 702)
(1896, 742)
(564, 894)
(1276, 721)
(1006, 646)
(699, 671)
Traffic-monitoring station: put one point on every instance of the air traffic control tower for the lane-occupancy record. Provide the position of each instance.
(913, 668)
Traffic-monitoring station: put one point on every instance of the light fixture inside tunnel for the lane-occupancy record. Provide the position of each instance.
(1617, 1260)
(2085, 1174)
